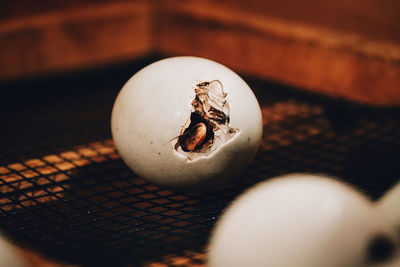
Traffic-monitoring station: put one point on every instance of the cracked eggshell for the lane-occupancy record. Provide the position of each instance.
(155, 104)
(303, 221)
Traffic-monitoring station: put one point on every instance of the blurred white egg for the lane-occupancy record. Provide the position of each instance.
(390, 206)
(186, 123)
(393, 263)
(301, 220)
(9, 256)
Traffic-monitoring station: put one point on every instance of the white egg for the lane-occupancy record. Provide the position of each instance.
(301, 220)
(390, 206)
(9, 256)
(394, 263)
(186, 123)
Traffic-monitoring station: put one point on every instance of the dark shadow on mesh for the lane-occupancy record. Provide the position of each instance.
(102, 214)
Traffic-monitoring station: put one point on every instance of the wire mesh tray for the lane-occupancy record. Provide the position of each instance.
(81, 204)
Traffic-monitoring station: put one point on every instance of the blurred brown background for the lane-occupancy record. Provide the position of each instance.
(342, 48)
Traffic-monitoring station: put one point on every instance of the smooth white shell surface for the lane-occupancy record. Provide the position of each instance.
(390, 206)
(155, 104)
(9, 257)
(297, 221)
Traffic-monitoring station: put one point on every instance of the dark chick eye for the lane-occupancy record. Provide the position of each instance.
(380, 249)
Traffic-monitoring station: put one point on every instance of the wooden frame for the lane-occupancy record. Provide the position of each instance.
(361, 66)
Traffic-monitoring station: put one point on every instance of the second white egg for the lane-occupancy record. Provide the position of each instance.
(301, 221)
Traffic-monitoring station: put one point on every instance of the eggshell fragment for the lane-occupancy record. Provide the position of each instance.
(158, 104)
(301, 221)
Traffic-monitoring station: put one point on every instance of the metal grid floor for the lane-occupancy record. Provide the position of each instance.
(66, 193)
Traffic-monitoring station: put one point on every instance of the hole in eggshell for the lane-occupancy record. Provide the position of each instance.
(380, 249)
(198, 135)
(208, 125)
